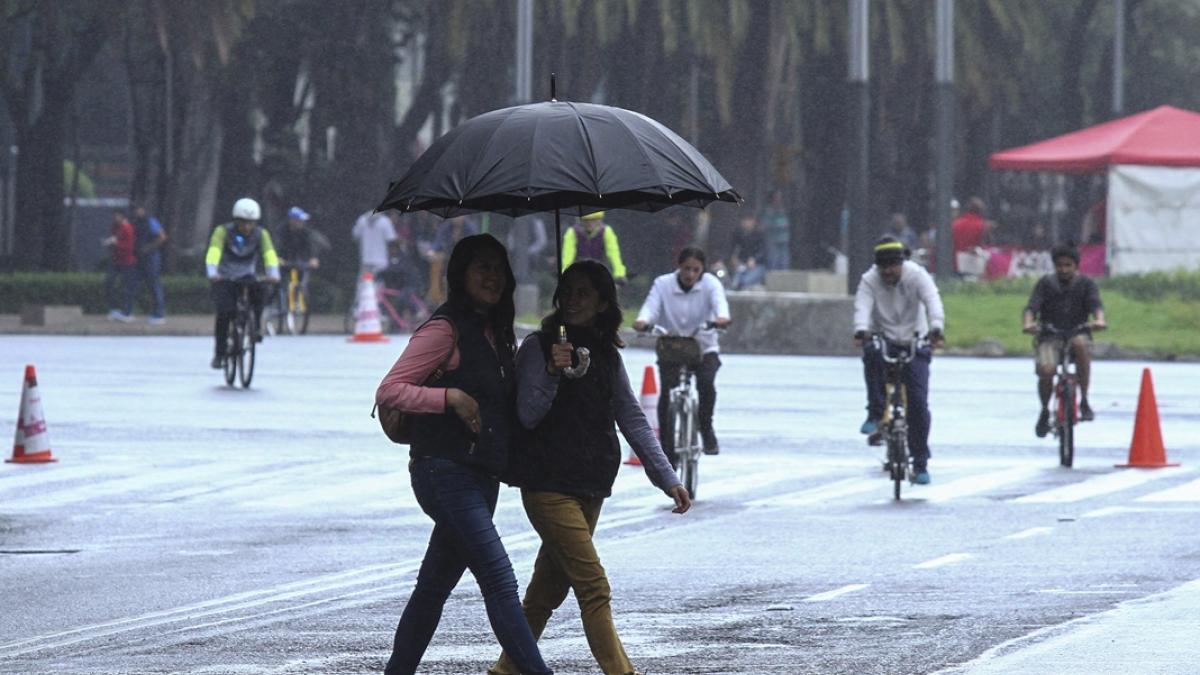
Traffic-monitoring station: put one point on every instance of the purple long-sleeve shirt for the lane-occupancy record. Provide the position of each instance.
(537, 388)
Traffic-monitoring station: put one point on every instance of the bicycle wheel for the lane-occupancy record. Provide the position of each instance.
(684, 463)
(246, 355)
(1066, 419)
(232, 343)
(301, 305)
(897, 462)
(349, 319)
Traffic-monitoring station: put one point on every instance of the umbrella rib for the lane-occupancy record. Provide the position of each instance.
(699, 171)
(591, 150)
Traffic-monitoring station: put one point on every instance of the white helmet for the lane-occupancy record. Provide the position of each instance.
(246, 209)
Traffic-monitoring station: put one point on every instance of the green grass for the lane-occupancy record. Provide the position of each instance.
(1167, 325)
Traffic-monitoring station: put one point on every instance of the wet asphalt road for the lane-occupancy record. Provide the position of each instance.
(189, 527)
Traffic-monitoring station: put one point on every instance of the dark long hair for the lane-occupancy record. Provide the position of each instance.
(607, 321)
(500, 317)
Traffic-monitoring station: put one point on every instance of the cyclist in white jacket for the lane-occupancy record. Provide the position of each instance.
(682, 302)
(898, 299)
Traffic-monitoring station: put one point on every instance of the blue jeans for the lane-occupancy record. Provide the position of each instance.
(916, 382)
(749, 277)
(148, 270)
(461, 500)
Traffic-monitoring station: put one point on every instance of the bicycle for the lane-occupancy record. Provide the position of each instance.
(290, 309)
(240, 344)
(894, 425)
(392, 319)
(684, 401)
(1065, 391)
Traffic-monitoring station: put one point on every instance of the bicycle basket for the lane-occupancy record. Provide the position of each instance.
(678, 351)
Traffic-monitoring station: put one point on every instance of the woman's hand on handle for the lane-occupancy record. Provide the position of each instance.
(682, 501)
(465, 407)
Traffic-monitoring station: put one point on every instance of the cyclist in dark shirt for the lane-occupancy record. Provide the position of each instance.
(1063, 300)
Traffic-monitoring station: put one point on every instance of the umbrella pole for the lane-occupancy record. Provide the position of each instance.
(558, 247)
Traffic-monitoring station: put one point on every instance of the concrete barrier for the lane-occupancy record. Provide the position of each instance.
(51, 315)
(766, 322)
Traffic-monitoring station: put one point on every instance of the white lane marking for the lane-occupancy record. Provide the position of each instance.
(1098, 485)
(1114, 510)
(837, 592)
(1188, 492)
(146, 479)
(1064, 591)
(16, 476)
(378, 578)
(944, 560)
(977, 483)
(841, 488)
(737, 485)
(1031, 532)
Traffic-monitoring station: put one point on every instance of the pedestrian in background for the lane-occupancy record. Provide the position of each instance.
(570, 455)
(748, 254)
(455, 378)
(374, 233)
(119, 281)
(593, 239)
(150, 237)
(777, 229)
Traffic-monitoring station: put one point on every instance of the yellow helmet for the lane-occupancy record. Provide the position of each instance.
(598, 215)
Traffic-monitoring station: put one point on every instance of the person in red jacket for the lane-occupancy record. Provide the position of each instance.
(969, 229)
(118, 284)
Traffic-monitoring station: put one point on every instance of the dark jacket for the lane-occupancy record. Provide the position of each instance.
(574, 448)
(486, 374)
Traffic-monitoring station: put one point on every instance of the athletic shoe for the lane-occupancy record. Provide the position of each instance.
(921, 477)
(1085, 412)
(117, 315)
(1043, 424)
(876, 438)
(868, 427)
(711, 447)
(218, 362)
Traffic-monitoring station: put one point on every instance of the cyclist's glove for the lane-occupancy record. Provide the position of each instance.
(935, 335)
(860, 335)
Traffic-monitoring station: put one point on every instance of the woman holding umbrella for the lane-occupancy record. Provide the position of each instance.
(570, 454)
(455, 378)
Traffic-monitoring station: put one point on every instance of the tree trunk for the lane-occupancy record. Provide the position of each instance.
(42, 237)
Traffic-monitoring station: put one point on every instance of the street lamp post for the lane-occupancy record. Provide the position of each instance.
(859, 257)
(944, 172)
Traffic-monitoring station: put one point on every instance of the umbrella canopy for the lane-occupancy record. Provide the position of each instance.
(575, 157)
(1164, 136)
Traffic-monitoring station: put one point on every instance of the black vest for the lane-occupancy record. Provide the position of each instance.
(574, 449)
(486, 374)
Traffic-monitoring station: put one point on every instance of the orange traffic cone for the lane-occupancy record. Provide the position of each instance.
(31, 445)
(649, 408)
(1146, 451)
(367, 327)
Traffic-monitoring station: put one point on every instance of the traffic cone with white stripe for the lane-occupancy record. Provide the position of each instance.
(649, 408)
(367, 326)
(31, 445)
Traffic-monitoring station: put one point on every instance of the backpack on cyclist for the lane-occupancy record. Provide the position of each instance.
(396, 423)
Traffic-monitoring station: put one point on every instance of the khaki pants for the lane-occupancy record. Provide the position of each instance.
(568, 561)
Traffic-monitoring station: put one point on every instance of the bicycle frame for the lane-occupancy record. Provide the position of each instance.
(1065, 392)
(895, 411)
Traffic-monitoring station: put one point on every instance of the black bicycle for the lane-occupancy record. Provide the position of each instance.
(1066, 393)
(894, 425)
(240, 343)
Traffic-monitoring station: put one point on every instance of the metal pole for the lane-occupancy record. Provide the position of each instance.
(859, 255)
(1118, 67)
(527, 290)
(944, 172)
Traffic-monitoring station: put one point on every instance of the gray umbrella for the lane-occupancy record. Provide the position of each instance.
(558, 156)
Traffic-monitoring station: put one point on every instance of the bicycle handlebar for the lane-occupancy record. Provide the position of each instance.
(908, 351)
(656, 330)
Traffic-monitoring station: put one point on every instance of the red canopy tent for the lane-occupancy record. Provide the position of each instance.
(1164, 136)
(1152, 164)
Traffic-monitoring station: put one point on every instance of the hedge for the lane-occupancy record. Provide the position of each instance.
(185, 294)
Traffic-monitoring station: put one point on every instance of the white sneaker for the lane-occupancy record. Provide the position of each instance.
(118, 315)
(157, 321)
